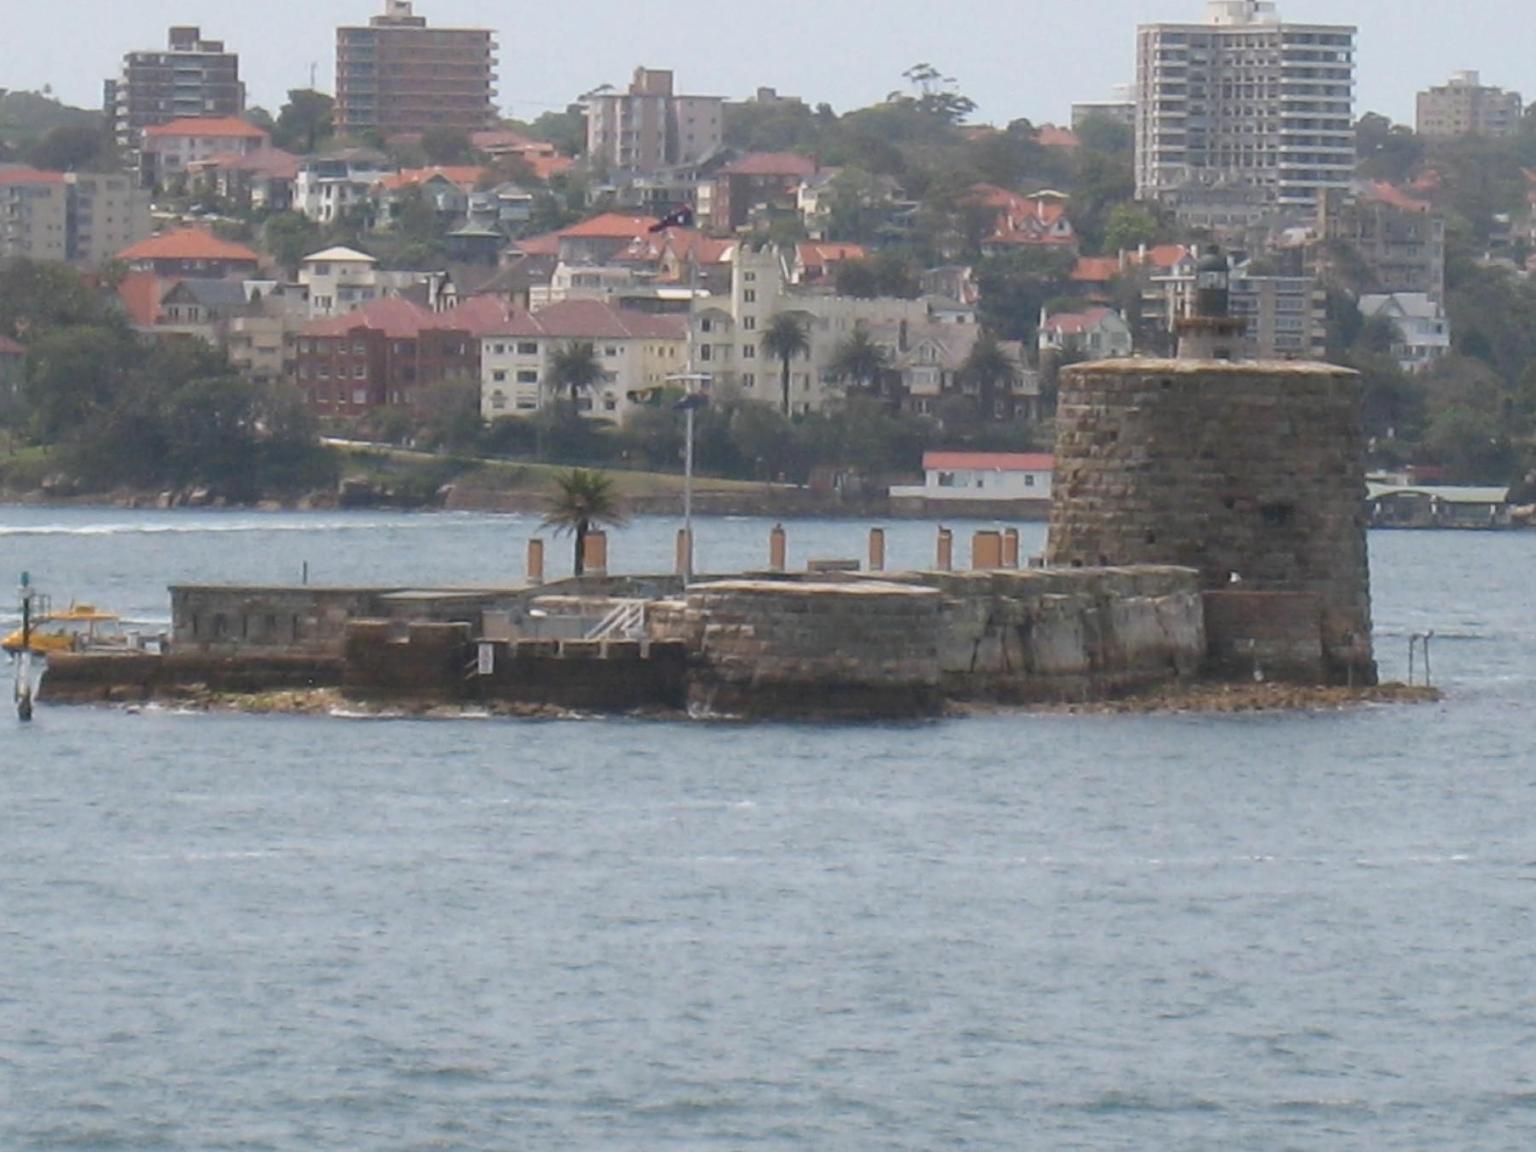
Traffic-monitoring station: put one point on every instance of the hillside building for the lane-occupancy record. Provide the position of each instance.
(169, 150)
(397, 75)
(1245, 98)
(649, 127)
(191, 78)
(1464, 106)
(81, 217)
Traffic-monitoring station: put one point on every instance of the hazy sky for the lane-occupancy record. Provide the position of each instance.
(1025, 58)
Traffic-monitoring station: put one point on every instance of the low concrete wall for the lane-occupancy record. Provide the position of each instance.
(98, 678)
(582, 676)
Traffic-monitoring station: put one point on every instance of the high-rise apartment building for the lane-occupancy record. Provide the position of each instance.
(1244, 99)
(192, 78)
(398, 76)
(82, 217)
(649, 127)
(1464, 106)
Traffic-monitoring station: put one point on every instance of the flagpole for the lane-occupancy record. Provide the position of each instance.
(689, 378)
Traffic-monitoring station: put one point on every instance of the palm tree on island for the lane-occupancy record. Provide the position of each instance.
(575, 367)
(860, 362)
(784, 339)
(583, 500)
(990, 370)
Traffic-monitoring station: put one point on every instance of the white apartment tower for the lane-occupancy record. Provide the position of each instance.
(1244, 99)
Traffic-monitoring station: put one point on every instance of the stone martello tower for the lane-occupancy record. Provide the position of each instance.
(1251, 472)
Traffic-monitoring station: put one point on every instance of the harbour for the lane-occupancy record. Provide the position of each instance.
(1114, 930)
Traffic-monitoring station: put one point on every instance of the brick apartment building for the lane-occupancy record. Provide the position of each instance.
(389, 354)
(399, 76)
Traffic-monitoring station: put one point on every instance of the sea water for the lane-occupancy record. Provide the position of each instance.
(1270, 932)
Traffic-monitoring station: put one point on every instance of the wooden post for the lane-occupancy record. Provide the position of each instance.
(877, 549)
(1011, 548)
(778, 549)
(946, 559)
(596, 554)
(684, 552)
(986, 551)
(535, 561)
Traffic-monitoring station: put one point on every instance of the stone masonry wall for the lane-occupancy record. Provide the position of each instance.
(1066, 635)
(900, 646)
(771, 648)
(1250, 473)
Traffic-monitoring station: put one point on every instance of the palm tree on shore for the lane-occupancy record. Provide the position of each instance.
(583, 500)
(784, 339)
(990, 370)
(575, 367)
(859, 362)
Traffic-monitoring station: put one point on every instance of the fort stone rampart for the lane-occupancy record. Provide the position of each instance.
(1251, 474)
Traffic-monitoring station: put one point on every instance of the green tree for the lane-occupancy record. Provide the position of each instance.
(1014, 287)
(566, 130)
(1131, 225)
(289, 237)
(1387, 151)
(74, 148)
(305, 122)
(73, 375)
(447, 146)
(574, 367)
(989, 370)
(1106, 135)
(582, 501)
(860, 362)
(784, 339)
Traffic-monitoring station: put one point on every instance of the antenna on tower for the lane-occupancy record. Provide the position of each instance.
(313, 67)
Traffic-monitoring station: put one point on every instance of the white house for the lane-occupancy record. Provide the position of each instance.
(342, 280)
(327, 187)
(1099, 333)
(637, 351)
(1423, 332)
(977, 477)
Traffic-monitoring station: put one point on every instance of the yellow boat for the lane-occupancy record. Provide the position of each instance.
(79, 627)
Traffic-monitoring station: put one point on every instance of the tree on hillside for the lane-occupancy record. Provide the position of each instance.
(784, 339)
(1105, 134)
(73, 374)
(447, 146)
(566, 130)
(1387, 151)
(289, 237)
(39, 296)
(1131, 225)
(582, 501)
(305, 122)
(74, 148)
(860, 362)
(1016, 285)
(574, 367)
(989, 370)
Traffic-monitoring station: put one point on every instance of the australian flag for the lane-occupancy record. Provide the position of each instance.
(677, 218)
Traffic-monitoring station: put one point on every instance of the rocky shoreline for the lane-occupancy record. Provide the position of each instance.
(1191, 700)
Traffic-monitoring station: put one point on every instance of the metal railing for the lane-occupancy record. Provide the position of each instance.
(625, 622)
